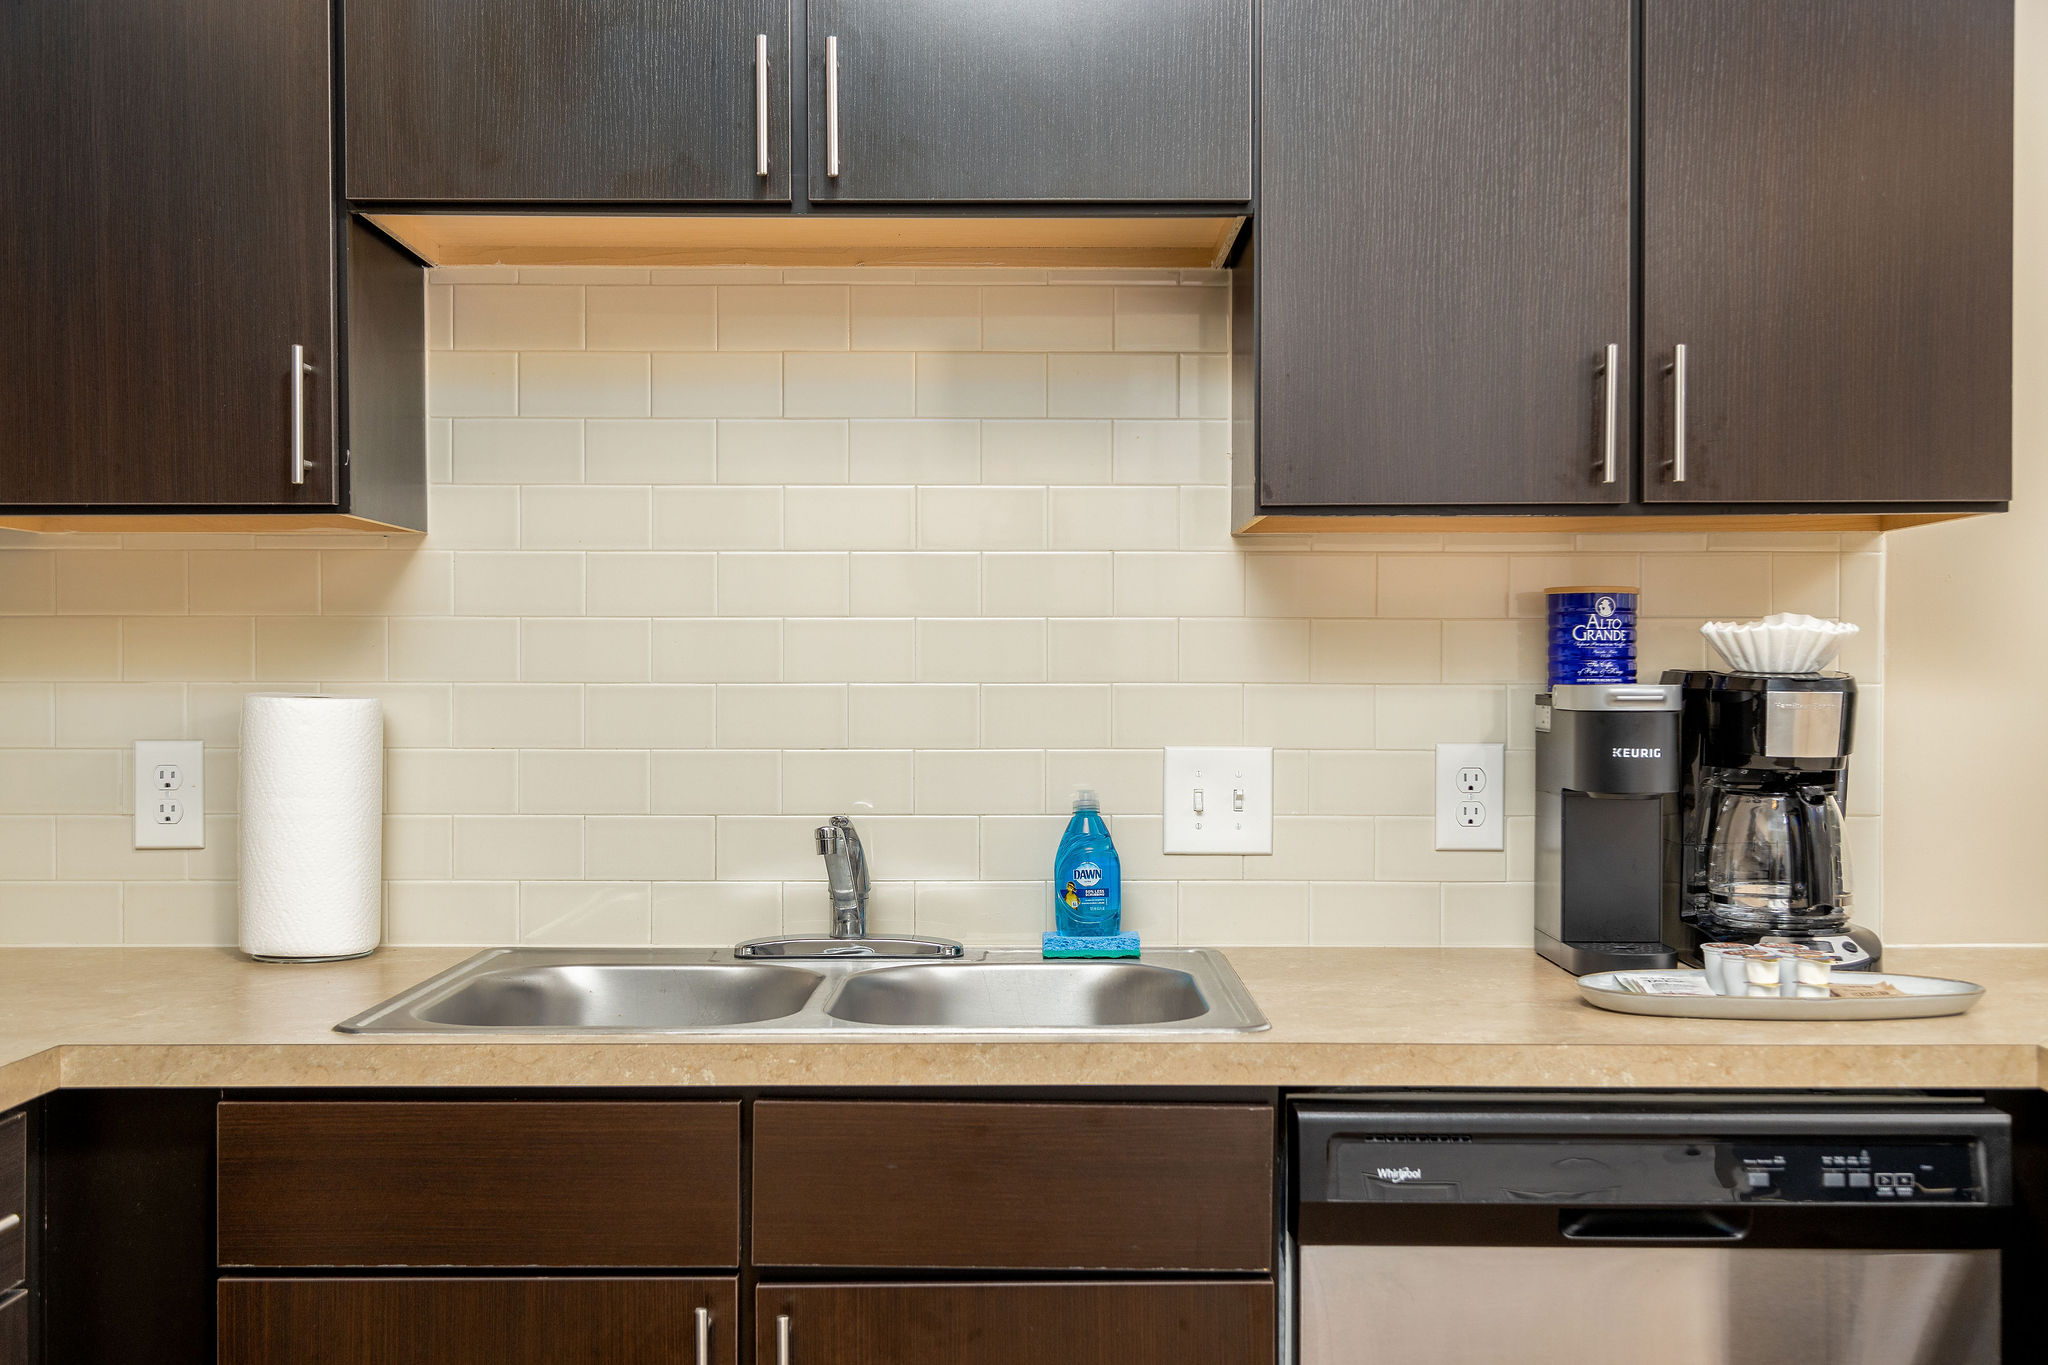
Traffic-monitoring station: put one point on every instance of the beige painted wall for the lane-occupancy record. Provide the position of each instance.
(1967, 617)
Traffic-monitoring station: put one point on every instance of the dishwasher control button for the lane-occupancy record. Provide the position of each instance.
(1832, 1180)
(1859, 1180)
(1759, 1180)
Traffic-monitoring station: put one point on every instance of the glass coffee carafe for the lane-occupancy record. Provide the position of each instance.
(1776, 861)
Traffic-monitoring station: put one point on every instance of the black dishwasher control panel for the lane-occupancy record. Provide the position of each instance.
(1649, 1157)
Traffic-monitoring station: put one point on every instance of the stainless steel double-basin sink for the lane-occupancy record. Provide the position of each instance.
(708, 990)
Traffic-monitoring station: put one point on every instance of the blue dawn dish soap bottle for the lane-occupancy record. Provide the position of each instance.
(1087, 878)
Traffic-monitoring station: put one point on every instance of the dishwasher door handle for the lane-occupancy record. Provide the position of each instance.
(1651, 1225)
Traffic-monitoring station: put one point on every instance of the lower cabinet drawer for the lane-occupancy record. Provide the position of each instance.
(593, 1184)
(14, 1328)
(1191, 1322)
(13, 1202)
(1005, 1185)
(479, 1322)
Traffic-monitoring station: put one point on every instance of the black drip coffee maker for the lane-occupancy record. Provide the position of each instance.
(1756, 850)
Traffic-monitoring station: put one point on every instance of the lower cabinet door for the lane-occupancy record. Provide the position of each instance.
(479, 1322)
(1192, 1322)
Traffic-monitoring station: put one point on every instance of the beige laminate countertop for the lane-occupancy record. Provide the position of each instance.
(86, 1017)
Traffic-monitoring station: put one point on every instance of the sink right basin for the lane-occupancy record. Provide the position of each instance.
(1007, 995)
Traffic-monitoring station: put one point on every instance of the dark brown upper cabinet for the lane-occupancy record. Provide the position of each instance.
(1045, 100)
(655, 101)
(1823, 240)
(174, 309)
(1827, 208)
(1442, 254)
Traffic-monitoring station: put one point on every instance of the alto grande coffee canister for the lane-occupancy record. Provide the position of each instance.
(1592, 635)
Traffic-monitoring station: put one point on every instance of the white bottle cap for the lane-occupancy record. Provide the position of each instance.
(1084, 799)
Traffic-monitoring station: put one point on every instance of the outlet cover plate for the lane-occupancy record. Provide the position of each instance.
(1222, 776)
(170, 793)
(1471, 797)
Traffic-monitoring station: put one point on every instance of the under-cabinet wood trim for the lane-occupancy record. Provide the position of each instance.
(1281, 524)
(835, 239)
(201, 523)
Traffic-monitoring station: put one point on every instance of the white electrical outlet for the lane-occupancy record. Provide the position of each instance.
(1471, 796)
(1219, 801)
(170, 793)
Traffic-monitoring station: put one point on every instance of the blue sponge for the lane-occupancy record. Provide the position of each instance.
(1108, 945)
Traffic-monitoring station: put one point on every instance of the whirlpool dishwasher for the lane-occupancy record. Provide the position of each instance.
(1587, 1229)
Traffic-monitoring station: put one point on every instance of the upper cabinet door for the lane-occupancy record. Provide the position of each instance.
(1443, 253)
(568, 100)
(166, 240)
(1016, 100)
(1827, 200)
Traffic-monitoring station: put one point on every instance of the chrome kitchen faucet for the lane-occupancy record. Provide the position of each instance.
(846, 877)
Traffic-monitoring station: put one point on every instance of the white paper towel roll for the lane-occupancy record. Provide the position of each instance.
(312, 826)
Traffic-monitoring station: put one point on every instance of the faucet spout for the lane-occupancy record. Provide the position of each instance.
(846, 872)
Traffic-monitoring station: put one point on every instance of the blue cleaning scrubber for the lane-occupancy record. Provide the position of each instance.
(1108, 945)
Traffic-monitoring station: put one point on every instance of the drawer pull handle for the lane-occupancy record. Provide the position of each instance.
(1612, 407)
(1677, 373)
(300, 369)
(782, 1339)
(9, 1223)
(832, 107)
(703, 1336)
(760, 104)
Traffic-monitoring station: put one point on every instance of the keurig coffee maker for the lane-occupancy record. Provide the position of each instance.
(1607, 769)
(1756, 845)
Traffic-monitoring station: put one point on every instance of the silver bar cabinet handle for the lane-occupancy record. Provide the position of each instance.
(832, 107)
(300, 369)
(782, 1339)
(761, 104)
(703, 1336)
(1678, 413)
(10, 1222)
(1612, 407)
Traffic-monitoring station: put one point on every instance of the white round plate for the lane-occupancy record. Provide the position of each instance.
(1925, 997)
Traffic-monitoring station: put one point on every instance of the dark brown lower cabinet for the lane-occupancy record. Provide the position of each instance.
(476, 1321)
(1190, 1322)
(14, 1348)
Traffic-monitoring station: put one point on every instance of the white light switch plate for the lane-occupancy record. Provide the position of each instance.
(170, 793)
(1471, 797)
(1219, 801)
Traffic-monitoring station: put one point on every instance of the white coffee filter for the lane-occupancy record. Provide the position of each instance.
(1786, 642)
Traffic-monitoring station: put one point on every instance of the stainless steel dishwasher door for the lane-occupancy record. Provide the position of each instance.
(1465, 1305)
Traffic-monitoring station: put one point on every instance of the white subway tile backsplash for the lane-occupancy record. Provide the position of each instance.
(718, 552)
(649, 450)
(1112, 386)
(585, 519)
(1042, 318)
(790, 317)
(582, 384)
(1033, 584)
(854, 384)
(516, 450)
(881, 450)
(895, 317)
(658, 584)
(1030, 451)
(981, 518)
(509, 317)
(726, 385)
(811, 451)
(650, 318)
(965, 384)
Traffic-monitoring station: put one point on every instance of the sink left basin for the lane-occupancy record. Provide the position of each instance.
(627, 991)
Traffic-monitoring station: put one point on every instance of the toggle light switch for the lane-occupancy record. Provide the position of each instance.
(1191, 827)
